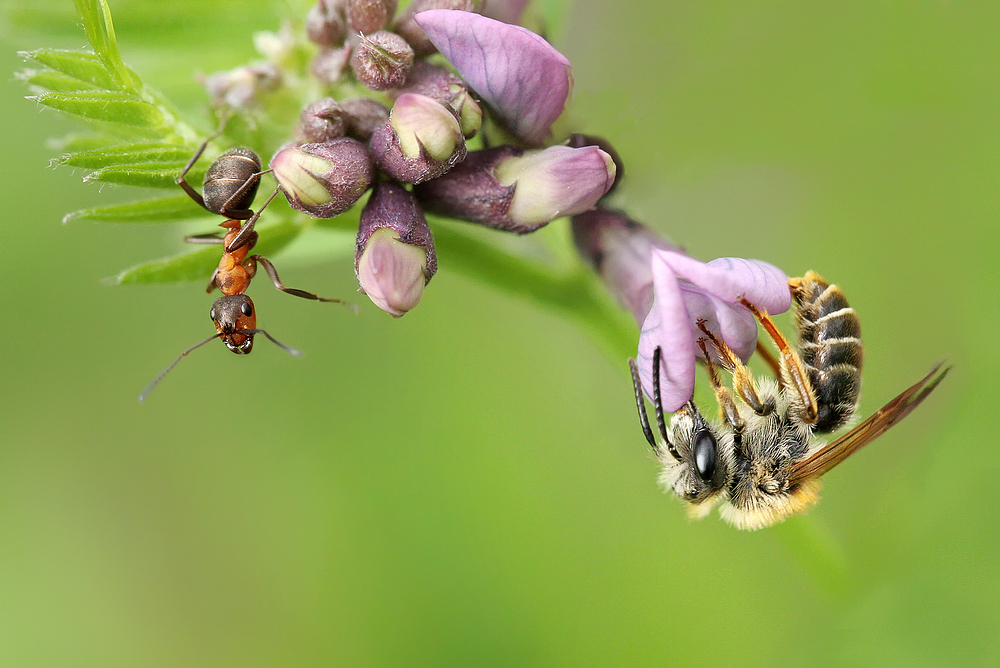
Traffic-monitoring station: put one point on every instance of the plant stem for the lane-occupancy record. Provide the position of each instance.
(572, 290)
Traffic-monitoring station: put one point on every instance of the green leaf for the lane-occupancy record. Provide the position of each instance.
(179, 207)
(50, 80)
(199, 265)
(100, 30)
(155, 175)
(86, 68)
(106, 106)
(167, 155)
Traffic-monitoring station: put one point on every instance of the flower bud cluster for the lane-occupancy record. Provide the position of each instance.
(415, 154)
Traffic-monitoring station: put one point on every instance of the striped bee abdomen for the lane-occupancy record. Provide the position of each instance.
(830, 348)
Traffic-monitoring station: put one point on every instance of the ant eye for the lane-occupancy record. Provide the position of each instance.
(246, 310)
(706, 454)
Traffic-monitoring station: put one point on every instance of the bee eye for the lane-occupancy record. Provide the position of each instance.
(706, 455)
(246, 310)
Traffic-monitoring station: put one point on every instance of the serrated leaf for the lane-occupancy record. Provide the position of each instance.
(106, 106)
(160, 210)
(166, 155)
(84, 67)
(199, 265)
(156, 175)
(46, 80)
(100, 30)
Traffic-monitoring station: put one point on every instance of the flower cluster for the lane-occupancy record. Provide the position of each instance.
(425, 152)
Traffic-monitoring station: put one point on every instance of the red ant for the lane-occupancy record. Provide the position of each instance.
(230, 186)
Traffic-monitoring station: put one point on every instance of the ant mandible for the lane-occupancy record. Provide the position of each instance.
(230, 187)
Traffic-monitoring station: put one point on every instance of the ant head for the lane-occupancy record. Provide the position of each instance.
(236, 321)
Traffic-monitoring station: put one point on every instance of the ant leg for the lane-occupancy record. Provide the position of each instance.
(246, 232)
(272, 273)
(212, 282)
(182, 182)
(207, 238)
(792, 371)
(243, 214)
(743, 382)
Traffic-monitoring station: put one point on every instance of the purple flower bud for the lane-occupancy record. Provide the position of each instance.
(329, 65)
(320, 122)
(363, 116)
(408, 29)
(441, 85)
(520, 191)
(394, 257)
(367, 16)
(382, 60)
(325, 179)
(577, 140)
(422, 140)
(516, 72)
(326, 24)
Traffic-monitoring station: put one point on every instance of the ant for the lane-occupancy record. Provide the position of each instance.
(230, 187)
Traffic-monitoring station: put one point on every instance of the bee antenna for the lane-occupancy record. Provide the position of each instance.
(288, 349)
(658, 405)
(149, 388)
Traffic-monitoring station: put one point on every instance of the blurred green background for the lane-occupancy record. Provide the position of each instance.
(468, 485)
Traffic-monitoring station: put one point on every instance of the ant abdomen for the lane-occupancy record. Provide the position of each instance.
(830, 348)
(231, 183)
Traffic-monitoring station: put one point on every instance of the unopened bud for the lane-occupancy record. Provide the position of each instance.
(445, 87)
(363, 116)
(422, 140)
(329, 65)
(320, 122)
(578, 140)
(326, 24)
(519, 191)
(406, 27)
(381, 60)
(366, 16)
(394, 256)
(325, 179)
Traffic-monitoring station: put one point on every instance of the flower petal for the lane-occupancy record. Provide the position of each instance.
(729, 278)
(518, 73)
(668, 326)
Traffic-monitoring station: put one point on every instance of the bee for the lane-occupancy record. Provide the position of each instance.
(764, 461)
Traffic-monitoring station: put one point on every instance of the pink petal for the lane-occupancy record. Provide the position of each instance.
(668, 326)
(730, 278)
(515, 71)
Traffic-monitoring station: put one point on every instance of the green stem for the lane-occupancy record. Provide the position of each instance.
(573, 290)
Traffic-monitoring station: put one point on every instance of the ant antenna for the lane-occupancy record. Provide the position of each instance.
(294, 352)
(149, 388)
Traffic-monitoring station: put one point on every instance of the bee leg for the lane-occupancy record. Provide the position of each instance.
(792, 371)
(722, 395)
(743, 382)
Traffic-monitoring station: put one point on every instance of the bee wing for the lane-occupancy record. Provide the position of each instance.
(823, 460)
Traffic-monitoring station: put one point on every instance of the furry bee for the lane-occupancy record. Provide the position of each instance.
(764, 461)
